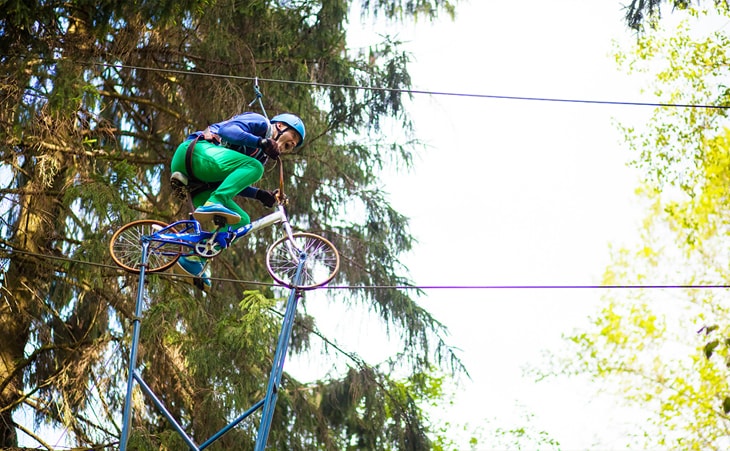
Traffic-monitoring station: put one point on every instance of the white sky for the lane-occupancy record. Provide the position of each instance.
(513, 192)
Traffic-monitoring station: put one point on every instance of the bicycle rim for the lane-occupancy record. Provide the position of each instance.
(125, 247)
(320, 267)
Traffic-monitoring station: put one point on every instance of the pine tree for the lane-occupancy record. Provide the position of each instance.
(94, 97)
(641, 13)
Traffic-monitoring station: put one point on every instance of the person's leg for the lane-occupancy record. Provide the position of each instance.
(196, 268)
(178, 158)
(203, 197)
(234, 170)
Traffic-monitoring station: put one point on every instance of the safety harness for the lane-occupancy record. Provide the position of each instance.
(195, 186)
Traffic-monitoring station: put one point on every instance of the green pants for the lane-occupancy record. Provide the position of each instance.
(212, 163)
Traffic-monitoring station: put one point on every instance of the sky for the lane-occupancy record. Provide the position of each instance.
(515, 192)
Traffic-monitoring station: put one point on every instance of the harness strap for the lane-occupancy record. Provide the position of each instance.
(195, 185)
(189, 158)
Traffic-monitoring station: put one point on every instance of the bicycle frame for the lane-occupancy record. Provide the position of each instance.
(192, 235)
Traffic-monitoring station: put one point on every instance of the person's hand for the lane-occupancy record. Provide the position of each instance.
(270, 147)
(266, 197)
(211, 137)
(280, 197)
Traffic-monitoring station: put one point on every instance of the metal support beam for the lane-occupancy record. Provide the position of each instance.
(269, 401)
(277, 369)
(127, 416)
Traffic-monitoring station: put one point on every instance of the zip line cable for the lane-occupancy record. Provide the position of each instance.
(410, 91)
(8, 255)
(417, 91)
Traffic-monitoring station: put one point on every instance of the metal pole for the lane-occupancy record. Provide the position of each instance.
(278, 367)
(146, 388)
(231, 425)
(127, 418)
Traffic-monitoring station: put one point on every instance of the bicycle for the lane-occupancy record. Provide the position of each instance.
(168, 242)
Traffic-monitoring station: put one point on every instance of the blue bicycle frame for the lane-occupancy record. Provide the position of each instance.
(189, 233)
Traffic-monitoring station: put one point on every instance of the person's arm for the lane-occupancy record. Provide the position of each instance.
(264, 196)
(245, 130)
(249, 192)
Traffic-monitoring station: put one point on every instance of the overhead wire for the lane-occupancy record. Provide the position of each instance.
(8, 253)
(412, 91)
(417, 91)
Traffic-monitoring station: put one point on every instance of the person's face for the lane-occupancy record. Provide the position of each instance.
(287, 140)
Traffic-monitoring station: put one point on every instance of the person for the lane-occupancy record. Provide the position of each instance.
(230, 156)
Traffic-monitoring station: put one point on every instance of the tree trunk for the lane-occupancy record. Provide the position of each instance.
(22, 298)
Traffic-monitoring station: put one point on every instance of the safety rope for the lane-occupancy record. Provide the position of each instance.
(280, 195)
(258, 97)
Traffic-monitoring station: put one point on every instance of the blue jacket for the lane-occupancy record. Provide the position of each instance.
(242, 133)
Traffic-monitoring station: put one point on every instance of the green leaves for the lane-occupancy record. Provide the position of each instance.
(641, 342)
(709, 348)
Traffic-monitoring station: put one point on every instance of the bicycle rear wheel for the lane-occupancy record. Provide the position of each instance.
(125, 247)
(321, 264)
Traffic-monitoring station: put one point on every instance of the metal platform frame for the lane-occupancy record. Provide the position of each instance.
(268, 402)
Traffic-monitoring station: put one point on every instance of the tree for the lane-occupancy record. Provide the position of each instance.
(667, 350)
(649, 12)
(94, 98)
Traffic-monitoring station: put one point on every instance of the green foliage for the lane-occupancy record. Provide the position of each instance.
(649, 12)
(644, 343)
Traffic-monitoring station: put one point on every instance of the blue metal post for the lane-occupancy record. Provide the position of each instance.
(127, 417)
(231, 425)
(269, 400)
(146, 388)
(278, 366)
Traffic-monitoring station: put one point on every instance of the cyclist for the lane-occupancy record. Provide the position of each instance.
(231, 154)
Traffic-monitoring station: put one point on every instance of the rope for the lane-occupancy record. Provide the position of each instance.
(281, 196)
(258, 97)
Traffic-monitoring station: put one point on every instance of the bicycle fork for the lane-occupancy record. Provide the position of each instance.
(290, 238)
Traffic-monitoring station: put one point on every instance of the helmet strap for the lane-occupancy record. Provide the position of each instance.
(279, 132)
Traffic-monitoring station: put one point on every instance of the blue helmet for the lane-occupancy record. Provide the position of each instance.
(293, 121)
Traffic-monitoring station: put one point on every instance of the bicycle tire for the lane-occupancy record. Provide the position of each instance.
(321, 265)
(125, 247)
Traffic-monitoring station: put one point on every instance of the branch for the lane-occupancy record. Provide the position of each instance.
(142, 101)
(34, 436)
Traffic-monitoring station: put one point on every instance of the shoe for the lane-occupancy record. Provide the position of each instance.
(210, 210)
(179, 184)
(197, 269)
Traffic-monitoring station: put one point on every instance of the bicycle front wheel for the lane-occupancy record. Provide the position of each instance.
(320, 266)
(126, 247)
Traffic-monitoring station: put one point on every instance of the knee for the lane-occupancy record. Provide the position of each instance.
(178, 159)
(257, 169)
